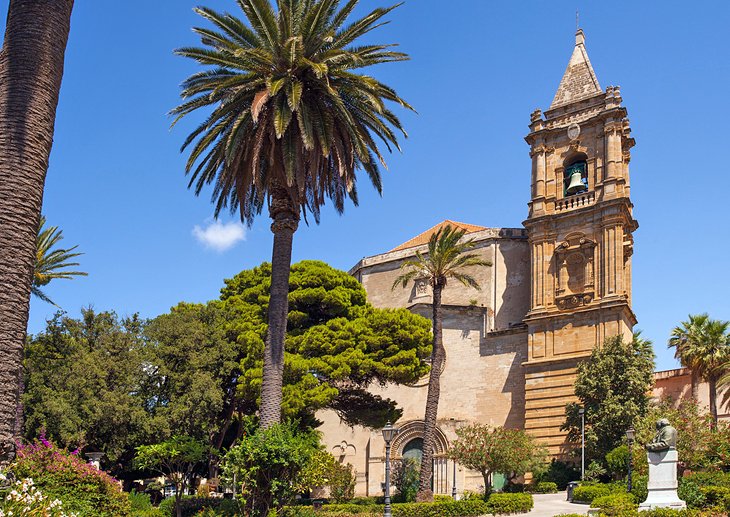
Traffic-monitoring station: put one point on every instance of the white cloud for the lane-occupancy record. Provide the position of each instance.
(220, 236)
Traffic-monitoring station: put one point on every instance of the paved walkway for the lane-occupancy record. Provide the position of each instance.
(548, 505)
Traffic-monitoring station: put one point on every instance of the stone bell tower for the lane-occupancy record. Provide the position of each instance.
(580, 228)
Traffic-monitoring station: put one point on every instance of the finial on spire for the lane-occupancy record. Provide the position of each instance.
(577, 24)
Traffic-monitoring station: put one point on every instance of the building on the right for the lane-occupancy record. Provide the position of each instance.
(677, 385)
(580, 227)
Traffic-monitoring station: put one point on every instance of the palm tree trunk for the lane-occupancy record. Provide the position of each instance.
(285, 214)
(695, 380)
(438, 355)
(31, 68)
(712, 382)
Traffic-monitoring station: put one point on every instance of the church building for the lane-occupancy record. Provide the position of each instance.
(558, 286)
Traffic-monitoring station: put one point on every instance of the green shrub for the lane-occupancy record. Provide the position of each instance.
(512, 503)
(543, 487)
(192, 505)
(587, 493)
(715, 495)
(690, 492)
(560, 473)
(509, 503)
(615, 504)
(366, 500)
(82, 488)
(516, 488)
(639, 487)
(139, 501)
(405, 479)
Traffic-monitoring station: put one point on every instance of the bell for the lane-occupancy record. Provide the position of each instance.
(576, 183)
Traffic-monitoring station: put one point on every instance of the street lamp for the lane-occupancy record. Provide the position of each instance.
(389, 432)
(582, 413)
(453, 485)
(630, 433)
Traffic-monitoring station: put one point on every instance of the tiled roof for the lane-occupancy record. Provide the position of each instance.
(424, 237)
(579, 81)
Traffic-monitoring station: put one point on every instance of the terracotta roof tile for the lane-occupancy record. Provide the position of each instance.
(424, 237)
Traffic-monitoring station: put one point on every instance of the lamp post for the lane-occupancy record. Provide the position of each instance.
(582, 413)
(453, 485)
(630, 438)
(389, 432)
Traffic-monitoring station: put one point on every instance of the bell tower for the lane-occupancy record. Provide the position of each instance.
(580, 227)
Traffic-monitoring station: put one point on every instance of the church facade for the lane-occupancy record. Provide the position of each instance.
(557, 287)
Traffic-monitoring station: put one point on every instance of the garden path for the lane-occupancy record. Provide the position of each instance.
(548, 505)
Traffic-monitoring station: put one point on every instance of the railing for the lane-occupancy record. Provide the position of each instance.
(575, 201)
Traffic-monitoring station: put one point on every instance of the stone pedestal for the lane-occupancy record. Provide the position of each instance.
(663, 482)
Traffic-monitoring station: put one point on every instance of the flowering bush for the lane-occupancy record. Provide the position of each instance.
(24, 499)
(82, 488)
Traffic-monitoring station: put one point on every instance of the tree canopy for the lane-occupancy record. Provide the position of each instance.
(612, 386)
(488, 449)
(111, 383)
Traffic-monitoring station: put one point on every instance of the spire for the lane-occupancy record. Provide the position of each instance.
(579, 80)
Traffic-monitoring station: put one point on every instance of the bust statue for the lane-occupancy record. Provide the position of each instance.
(665, 438)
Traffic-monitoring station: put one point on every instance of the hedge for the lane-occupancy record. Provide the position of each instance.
(587, 493)
(497, 504)
(615, 504)
(191, 505)
(543, 487)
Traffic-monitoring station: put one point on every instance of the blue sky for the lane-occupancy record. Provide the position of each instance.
(478, 69)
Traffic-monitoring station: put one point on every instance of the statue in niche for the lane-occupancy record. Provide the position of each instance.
(575, 266)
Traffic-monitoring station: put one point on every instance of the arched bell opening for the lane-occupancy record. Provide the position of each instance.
(575, 179)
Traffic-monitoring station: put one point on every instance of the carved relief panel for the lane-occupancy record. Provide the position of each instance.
(574, 260)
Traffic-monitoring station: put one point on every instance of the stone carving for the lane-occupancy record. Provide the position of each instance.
(421, 286)
(662, 457)
(665, 438)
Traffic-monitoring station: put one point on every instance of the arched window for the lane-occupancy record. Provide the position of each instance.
(414, 449)
(575, 179)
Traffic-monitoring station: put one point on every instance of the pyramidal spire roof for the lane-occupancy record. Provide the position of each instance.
(579, 80)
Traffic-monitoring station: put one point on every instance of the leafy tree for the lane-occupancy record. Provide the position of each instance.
(291, 123)
(612, 386)
(31, 68)
(51, 264)
(192, 371)
(488, 449)
(447, 258)
(267, 464)
(337, 344)
(703, 345)
(174, 458)
(83, 379)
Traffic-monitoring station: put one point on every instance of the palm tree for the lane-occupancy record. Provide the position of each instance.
(31, 68)
(290, 123)
(683, 339)
(447, 258)
(705, 347)
(50, 263)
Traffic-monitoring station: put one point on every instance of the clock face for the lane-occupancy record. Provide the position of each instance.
(573, 131)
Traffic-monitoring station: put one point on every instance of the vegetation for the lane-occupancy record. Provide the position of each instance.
(50, 263)
(111, 383)
(488, 449)
(405, 479)
(28, 63)
(80, 487)
(612, 387)
(703, 345)
(175, 459)
(447, 258)
(267, 464)
(291, 123)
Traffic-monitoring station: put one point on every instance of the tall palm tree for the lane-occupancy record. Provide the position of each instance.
(31, 68)
(706, 349)
(683, 339)
(51, 264)
(290, 123)
(447, 258)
